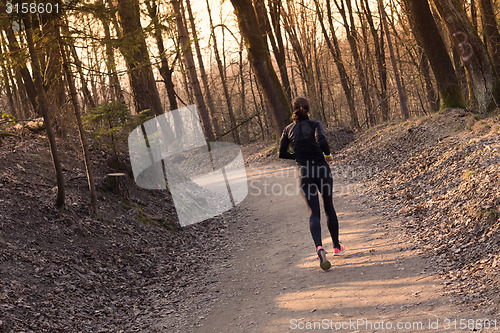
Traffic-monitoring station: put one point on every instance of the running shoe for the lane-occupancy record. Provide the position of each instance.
(337, 251)
(323, 262)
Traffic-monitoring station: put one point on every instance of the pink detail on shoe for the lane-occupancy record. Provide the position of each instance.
(338, 252)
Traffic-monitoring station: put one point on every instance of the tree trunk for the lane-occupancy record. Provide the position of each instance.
(94, 66)
(26, 109)
(81, 131)
(53, 83)
(204, 78)
(7, 85)
(337, 58)
(166, 73)
(483, 79)
(402, 97)
(261, 63)
(25, 73)
(423, 64)
(461, 72)
(397, 48)
(427, 33)
(367, 63)
(185, 45)
(114, 81)
(8, 92)
(275, 38)
(222, 73)
(264, 107)
(490, 30)
(23, 109)
(304, 64)
(187, 88)
(89, 99)
(353, 44)
(332, 99)
(44, 110)
(319, 82)
(165, 70)
(293, 82)
(279, 50)
(135, 52)
(242, 92)
(473, 14)
(380, 58)
(257, 112)
(114, 19)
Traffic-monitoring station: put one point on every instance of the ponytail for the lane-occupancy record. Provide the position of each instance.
(300, 114)
(300, 109)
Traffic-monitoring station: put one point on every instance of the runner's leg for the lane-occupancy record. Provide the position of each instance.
(326, 192)
(309, 191)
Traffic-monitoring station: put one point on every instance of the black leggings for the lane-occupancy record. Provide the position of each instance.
(316, 177)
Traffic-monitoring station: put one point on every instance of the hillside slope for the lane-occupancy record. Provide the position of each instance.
(441, 175)
(70, 271)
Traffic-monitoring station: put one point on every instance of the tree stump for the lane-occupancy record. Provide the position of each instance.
(117, 184)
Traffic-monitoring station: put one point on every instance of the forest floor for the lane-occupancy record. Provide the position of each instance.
(418, 203)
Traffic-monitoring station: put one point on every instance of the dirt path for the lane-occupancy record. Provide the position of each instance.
(275, 284)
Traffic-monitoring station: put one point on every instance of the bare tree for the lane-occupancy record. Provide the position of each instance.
(89, 99)
(261, 63)
(166, 70)
(135, 52)
(483, 79)
(114, 81)
(204, 78)
(222, 73)
(351, 34)
(490, 30)
(401, 94)
(334, 47)
(276, 38)
(379, 49)
(7, 86)
(243, 105)
(81, 131)
(44, 110)
(187, 53)
(15, 51)
(427, 33)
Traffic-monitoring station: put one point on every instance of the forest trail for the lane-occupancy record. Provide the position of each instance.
(275, 283)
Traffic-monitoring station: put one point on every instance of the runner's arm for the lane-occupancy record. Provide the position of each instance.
(284, 143)
(321, 139)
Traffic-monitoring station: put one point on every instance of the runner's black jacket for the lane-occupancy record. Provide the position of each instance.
(307, 139)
